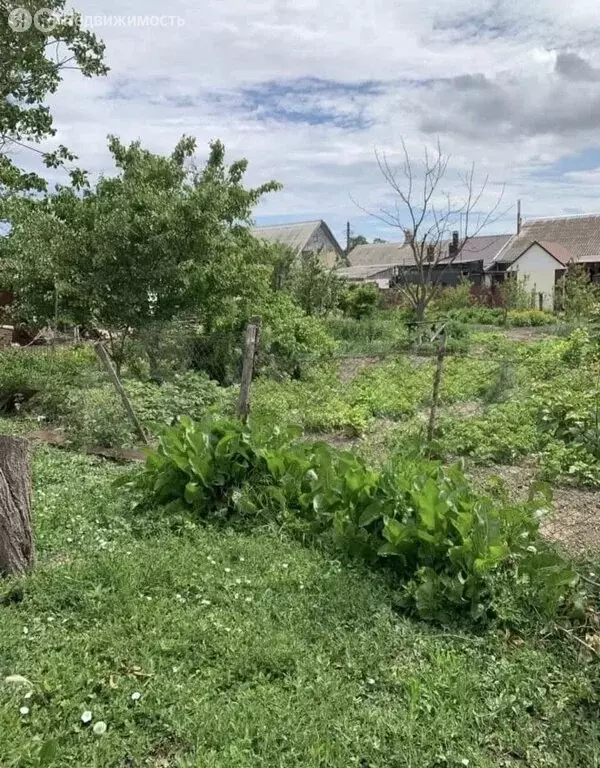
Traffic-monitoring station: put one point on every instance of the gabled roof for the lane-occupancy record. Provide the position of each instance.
(296, 236)
(483, 248)
(381, 254)
(578, 235)
(558, 252)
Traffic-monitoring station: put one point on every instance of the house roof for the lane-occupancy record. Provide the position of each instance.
(295, 236)
(556, 250)
(481, 248)
(381, 254)
(363, 272)
(579, 236)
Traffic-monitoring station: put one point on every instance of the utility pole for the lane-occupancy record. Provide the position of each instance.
(347, 238)
(519, 220)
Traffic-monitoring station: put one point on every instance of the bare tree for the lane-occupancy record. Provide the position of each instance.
(436, 225)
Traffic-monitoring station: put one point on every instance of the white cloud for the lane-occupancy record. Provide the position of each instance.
(481, 72)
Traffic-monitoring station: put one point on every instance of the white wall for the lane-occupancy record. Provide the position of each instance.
(539, 268)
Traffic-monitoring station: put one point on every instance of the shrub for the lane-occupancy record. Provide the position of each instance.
(189, 393)
(95, 417)
(379, 334)
(456, 297)
(489, 316)
(359, 300)
(37, 378)
(502, 434)
(291, 341)
(445, 541)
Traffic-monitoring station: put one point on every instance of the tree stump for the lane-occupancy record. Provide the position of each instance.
(17, 551)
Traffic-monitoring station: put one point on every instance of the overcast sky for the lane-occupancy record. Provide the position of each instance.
(306, 91)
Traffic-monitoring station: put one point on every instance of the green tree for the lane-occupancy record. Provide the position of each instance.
(578, 295)
(360, 300)
(315, 289)
(514, 294)
(35, 47)
(356, 240)
(160, 239)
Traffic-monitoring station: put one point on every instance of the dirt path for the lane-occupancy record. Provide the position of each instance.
(575, 518)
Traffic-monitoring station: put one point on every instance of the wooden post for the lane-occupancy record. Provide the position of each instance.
(251, 340)
(17, 551)
(437, 381)
(110, 369)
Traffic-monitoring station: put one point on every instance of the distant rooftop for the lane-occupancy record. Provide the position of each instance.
(577, 236)
(381, 254)
(296, 236)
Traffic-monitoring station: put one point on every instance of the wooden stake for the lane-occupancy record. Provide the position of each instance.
(250, 350)
(110, 369)
(17, 551)
(437, 381)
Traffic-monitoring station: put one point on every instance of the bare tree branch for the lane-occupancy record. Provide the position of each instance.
(428, 224)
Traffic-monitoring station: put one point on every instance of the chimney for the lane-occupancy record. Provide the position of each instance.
(453, 247)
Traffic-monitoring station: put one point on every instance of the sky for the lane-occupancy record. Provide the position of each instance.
(308, 92)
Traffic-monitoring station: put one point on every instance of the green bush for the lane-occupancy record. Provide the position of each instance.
(455, 297)
(189, 393)
(36, 378)
(96, 417)
(382, 333)
(489, 316)
(446, 542)
(504, 433)
(291, 341)
(359, 300)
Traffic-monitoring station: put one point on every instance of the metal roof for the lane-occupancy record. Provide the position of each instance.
(362, 271)
(578, 235)
(481, 248)
(381, 254)
(295, 236)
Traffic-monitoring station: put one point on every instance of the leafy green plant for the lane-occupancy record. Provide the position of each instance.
(443, 539)
(35, 379)
(359, 300)
(95, 417)
(455, 297)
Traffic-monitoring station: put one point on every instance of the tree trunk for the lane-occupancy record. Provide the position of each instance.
(17, 552)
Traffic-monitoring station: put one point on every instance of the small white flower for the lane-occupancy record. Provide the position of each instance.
(464, 761)
(370, 681)
(24, 711)
(86, 717)
(238, 581)
(285, 565)
(204, 602)
(99, 728)
(242, 559)
(25, 631)
(136, 696)
(227, 570)
(248, 599)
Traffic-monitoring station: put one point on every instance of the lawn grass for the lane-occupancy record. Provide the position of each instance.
(251, 650)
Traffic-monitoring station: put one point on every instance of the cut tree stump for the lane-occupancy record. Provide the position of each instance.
(17, 551)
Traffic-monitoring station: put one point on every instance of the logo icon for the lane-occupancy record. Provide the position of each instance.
(44, 20)
(20, 20)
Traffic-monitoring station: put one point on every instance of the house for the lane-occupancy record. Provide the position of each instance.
(542, 249)
(395, 261)
(305, 237)
(376, 263)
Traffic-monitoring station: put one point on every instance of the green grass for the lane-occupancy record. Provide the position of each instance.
(256, 651)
